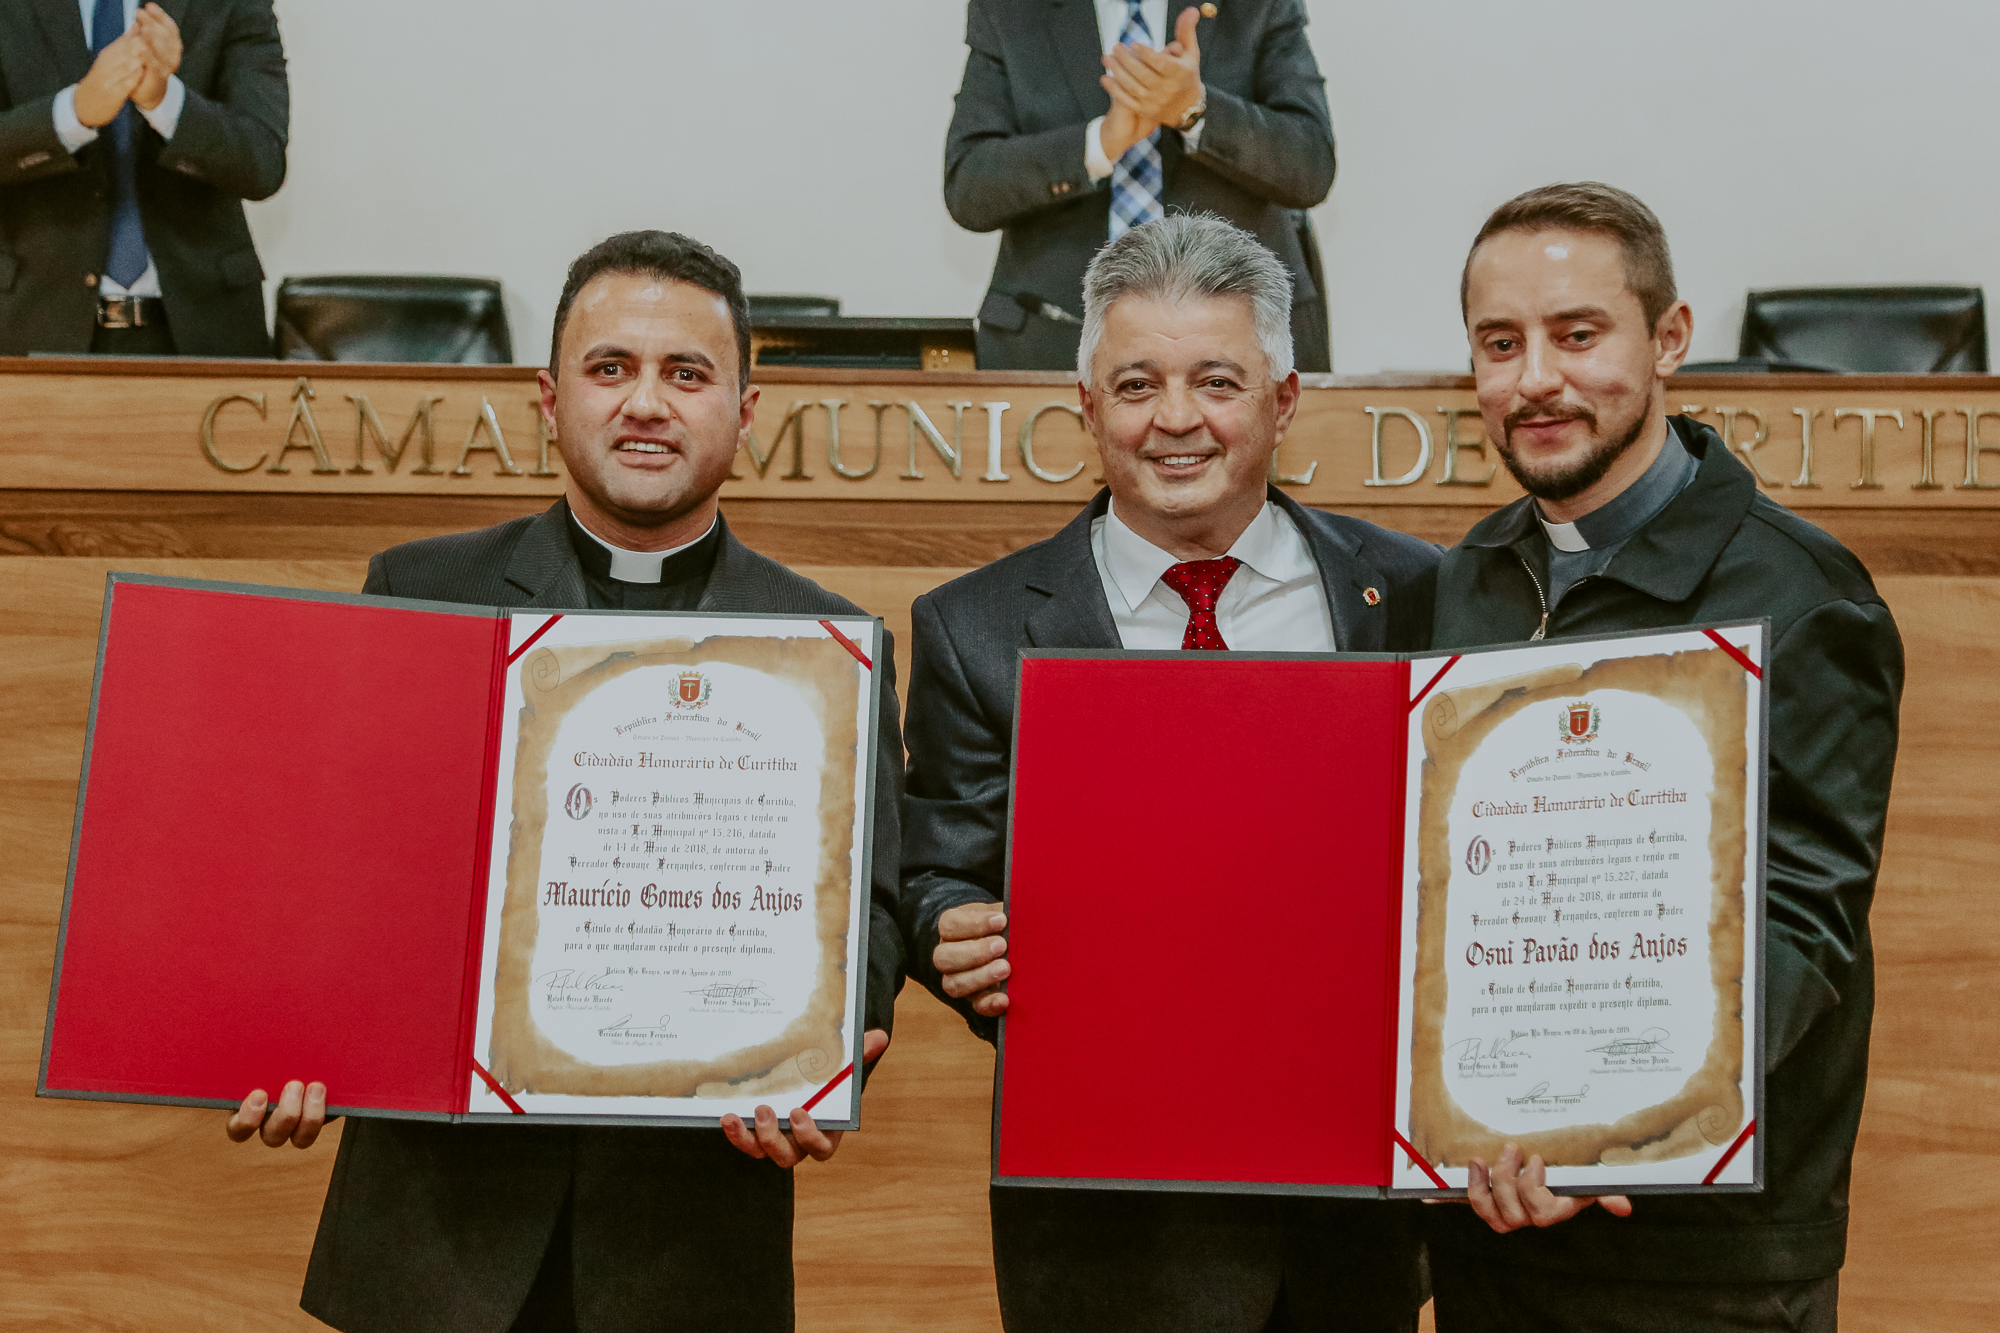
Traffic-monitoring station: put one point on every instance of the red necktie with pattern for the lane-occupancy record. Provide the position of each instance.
(1200, 582)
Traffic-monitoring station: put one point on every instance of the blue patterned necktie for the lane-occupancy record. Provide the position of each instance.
(1136, 177)
(128, 259)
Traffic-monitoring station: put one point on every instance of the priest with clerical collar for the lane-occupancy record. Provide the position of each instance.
(618, 579)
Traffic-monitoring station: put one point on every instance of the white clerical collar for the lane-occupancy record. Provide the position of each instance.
(639, 566)
(1271, 546)
(1562, 536)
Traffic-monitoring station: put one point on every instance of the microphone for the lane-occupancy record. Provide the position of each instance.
(1048, 310)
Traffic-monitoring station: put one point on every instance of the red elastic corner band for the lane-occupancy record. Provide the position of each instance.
(859, 656)
(1742, 660)
(501, 1092)
(547, 625)
(1434, 680)
(841, 1077)
(1742, 1138)
(1402, 1142)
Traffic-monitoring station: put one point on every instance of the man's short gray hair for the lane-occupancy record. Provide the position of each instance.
(1186, 256)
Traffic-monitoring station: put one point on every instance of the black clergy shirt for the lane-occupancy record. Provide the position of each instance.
(683, 574)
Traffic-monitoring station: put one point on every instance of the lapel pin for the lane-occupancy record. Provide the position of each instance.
(1370, 596)
(1208, 11)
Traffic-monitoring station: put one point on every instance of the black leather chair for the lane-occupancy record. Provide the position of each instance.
(1868, 330)
(458, 321)
(768, 309)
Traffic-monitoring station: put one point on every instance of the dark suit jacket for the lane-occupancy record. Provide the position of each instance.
(55, 208)
(1175, 1260)
(1014, 158)
(431, 1226)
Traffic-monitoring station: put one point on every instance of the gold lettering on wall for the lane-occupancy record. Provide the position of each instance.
(1423, 463)
(207, 431)
(1927, 478)
(422, 425)
(795, 423)
(1805, 416)
(1452, 444)
(840, 469)
(953, 454)
(1973, 448)
(1867, 416)
(994, 413)
(1743, 449)
(489, 424)
(302, 415)
(1027, 443)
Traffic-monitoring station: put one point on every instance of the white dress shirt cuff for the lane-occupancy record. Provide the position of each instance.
(1094, 160)
(166, 117)
(1190, 139)
(73, 132)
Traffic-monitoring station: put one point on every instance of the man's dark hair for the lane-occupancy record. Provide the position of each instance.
(659, 254)
(1591, 206)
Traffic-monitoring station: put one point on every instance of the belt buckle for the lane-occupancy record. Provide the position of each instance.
(118, 312)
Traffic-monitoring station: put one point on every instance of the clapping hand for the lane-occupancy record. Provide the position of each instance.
(134, 68)
(1155, 87)
(162, 40)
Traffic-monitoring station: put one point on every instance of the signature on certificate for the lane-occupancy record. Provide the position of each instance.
(1651, 1041)
(1539, 1095)
(625, 1027)
(565, 980)
(1487, 1048)
(722, 992)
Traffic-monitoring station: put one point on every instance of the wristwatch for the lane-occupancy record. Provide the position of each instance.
(1195, 112)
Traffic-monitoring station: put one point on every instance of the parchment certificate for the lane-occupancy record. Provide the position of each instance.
(1580, 934)
(678, 870)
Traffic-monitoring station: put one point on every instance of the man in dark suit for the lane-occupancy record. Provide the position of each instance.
(488, 1228)
(1187, 388)
(129, 138)
(1637, 520)
(1077, 118)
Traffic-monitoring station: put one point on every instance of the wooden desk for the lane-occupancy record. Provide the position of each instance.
(145, 1217)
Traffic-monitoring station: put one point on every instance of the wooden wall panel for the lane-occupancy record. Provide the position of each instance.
(130, 1217)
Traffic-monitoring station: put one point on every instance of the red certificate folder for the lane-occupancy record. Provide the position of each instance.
(280, 864)
(1206, 907)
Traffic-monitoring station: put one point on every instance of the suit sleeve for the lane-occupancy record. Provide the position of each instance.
(1278, 142)
(232, 134)
(30, 148)
(377, 582)
(954, 804)
(1836, 683)
(885, 939)
(994, 175)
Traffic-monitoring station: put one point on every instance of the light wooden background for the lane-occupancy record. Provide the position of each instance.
(132, 1217)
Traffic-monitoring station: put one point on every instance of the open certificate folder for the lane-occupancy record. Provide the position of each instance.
(1340, 924)
(464, 862)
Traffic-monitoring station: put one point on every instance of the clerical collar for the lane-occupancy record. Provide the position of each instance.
(601, 558)
(1632, 508)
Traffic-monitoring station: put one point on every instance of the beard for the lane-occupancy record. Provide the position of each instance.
(1563, 480)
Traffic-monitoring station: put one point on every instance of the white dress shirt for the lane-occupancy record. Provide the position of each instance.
(1111, 22)
(165, 118)
(643, 566)
(1274, 603)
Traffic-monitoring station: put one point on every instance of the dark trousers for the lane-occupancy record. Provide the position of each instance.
(1143, 1261)
(150, 340)
(1475, 1297)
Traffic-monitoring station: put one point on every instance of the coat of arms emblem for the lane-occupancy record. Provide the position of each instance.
(1580, 722)
(691, 689)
